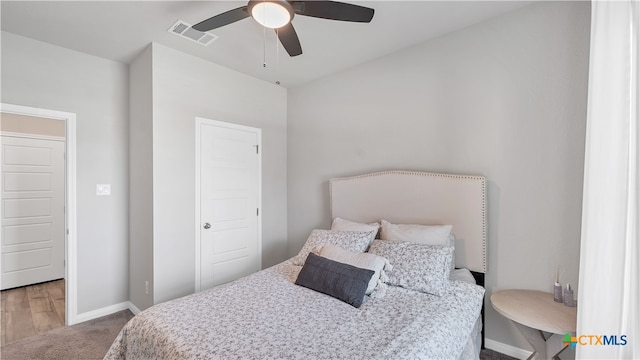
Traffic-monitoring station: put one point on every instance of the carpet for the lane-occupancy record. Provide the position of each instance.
(86, 341)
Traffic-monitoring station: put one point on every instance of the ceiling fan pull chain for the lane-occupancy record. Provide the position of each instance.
(277, 47)
(264, 47)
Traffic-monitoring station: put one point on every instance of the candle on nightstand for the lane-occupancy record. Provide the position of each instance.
(568, 297)
(557, 288)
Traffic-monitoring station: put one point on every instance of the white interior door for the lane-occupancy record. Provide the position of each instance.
(229, 202)
(33, 224)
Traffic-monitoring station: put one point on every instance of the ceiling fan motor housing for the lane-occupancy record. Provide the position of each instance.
(273, 11)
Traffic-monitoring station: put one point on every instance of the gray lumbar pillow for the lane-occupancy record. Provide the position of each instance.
(341, 281)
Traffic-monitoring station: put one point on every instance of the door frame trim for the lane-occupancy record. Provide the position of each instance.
(202, 121)
(71, 251)
(33, 136)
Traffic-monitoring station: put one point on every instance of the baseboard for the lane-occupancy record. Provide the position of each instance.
(134, 309)
(507, 349)
(107, 310)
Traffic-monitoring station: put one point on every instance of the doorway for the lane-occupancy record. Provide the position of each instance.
(228, 201)
(40, 272)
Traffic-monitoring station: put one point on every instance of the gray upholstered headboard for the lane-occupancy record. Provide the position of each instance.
(410, 197)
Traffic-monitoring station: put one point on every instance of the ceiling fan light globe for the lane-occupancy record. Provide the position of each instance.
(271, 14)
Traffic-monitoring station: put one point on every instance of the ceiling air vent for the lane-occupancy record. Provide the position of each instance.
(185, 30)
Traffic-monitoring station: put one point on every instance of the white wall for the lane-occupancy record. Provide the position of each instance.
(41, 75)
(185, 87)
(505, 99)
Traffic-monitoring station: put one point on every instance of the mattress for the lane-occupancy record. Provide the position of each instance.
(265, 315)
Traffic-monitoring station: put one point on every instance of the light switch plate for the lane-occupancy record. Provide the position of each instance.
(103, 189)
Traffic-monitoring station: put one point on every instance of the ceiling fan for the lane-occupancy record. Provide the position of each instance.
(277, 14)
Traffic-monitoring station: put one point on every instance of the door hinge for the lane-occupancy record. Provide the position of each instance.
(257, 211)
(257, 148)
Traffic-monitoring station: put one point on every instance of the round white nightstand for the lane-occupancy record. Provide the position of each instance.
(535, 313)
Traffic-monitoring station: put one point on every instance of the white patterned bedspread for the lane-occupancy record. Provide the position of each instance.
(265, 315)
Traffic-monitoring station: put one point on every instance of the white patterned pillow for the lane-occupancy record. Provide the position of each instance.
(422, 234)
(361, 260)
(356, 241)
(419, 267)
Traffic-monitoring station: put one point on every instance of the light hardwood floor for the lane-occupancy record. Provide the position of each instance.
(32, 310)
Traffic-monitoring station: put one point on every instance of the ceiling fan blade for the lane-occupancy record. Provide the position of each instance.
(333, 10)
(289, 39)
(223, 19)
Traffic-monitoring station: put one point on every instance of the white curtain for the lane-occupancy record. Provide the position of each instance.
(609, 288)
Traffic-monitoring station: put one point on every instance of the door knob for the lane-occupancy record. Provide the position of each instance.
(206, 225)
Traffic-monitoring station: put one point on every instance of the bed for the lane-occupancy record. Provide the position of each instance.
(267, 315)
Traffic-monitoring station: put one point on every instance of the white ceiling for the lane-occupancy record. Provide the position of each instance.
(119, 30)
